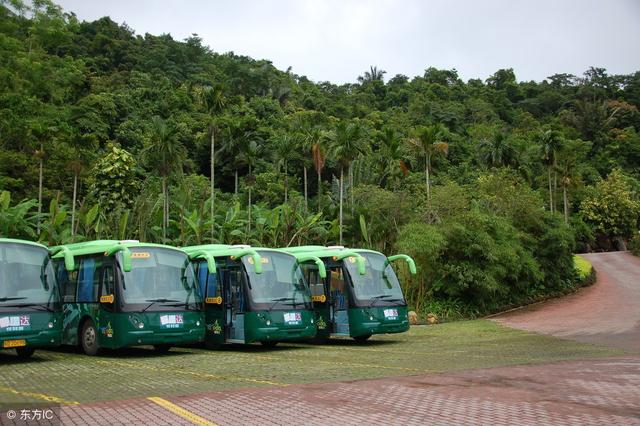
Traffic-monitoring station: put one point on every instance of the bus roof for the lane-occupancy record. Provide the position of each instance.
(102, 246)
(221, 250)
(322, 251)
(25, 242)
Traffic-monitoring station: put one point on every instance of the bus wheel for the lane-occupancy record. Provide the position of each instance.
(163, 349)
(89, 338)
(25, 352)
(362, 339)
(269, 343)
(212, 345)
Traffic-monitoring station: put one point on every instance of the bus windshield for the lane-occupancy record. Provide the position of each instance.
(281, 284)
(379, 283)
(27, 277)
(159, 275)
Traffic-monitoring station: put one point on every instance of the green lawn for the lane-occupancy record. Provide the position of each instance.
(69, 377)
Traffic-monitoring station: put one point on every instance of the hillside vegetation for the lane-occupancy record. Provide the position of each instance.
(490, 185)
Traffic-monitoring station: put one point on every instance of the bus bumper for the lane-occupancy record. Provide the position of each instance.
(38, 339)
(150, 337)
(282, 333)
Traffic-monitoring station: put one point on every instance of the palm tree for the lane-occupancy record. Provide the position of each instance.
(250, 152)
(347, 144)
(497, 151)
(427, 141)
(372, 75)
(284, 149)
(550, 142)
(231, 142)
(390, 155)
(214, 102)
(569, 158)
(165, 154)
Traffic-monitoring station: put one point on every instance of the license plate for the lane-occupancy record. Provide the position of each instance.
(292, 317)
(14, 343)
(391, 313)
(172, 320)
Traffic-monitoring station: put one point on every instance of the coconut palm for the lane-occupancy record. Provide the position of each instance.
(165, 154)
(550, 142)
(284, 149)
(390, 155)
(497, 151)
(347, 143)
(428, 141)
(214, 101)
(250, 153)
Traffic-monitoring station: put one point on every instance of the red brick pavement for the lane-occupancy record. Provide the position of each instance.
(590, 392)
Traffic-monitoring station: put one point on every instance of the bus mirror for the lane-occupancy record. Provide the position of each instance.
(257, 259)
(210, 258)
(126, 256)
(107, 299)
(322, 271)
(69, 262)
(408, 259)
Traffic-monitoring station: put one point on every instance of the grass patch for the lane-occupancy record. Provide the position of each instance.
(139, 372)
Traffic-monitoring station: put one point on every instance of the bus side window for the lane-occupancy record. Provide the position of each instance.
(66, 282)
(313, 278)
(108, 281)
(213, 286)
(201, 276)
(88, 281)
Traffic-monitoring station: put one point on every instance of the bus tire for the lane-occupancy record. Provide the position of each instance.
(269, 343)
(25, 352)
(212, 345)
(362, 339)
(89, 338)
(162, 349)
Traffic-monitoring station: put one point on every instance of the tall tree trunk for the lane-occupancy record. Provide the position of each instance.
(306, 193)
(351, 186)
(341, 189)
(286, 183)
(249, 207)
(73, 206)
(566, 204)
(235, 189)
(40, 186)
(164, 208)
(213, 179)
(555, 188)
(550, 191)
(426, 174)
(319, 190)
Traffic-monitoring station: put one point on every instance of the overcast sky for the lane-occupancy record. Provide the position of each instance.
(337, 40)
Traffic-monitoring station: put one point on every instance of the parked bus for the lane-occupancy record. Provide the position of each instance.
(360, 295)
(30, 314)
(253, 294)
(126, 293)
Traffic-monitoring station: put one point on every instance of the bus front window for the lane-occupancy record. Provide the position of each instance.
(281, 285)
(27, 276)
(159, 275)
(379, 283)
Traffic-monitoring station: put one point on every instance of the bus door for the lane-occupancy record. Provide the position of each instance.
(235, 302)
(214, 309)
(320, 298)
(339, 300)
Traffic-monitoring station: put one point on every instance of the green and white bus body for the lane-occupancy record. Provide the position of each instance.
(360, 295)
(30, 311)
(117, 294)
(252, 295)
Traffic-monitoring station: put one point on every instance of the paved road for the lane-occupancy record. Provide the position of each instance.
(593, 392)
(606, 313)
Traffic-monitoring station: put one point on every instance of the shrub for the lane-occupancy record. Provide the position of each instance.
(634, 244)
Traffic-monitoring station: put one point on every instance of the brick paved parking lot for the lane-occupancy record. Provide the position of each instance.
(595, 392)
(468, 372)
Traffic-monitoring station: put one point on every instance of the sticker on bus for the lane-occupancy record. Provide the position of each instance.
(15, 323)
(140, 255)
(391, 314)
(292, 317)
(171, 321)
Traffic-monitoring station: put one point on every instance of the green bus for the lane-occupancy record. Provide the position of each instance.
(253, 294)
(360, 294)
(127, 293)
(30, 312)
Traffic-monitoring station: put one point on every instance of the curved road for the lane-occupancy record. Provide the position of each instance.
(606, 313)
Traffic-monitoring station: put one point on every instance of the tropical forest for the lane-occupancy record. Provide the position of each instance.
(491, 185)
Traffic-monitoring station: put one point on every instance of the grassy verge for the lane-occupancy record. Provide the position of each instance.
(140, 372)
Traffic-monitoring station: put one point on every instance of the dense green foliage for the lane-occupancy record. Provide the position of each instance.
(105, 133)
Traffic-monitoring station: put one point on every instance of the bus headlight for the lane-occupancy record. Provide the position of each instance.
(141, 325)
(268, 322)
(311, 320)
(197, 323)
(50, 325)
(370, 317)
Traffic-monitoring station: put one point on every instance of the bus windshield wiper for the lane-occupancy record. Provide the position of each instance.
(30, 305)
(280, 299)
(376, 298)
(154, 301)
(5, 299)
(186, 305)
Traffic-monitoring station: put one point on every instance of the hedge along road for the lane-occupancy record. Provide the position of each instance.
(606, 313)
(69, 378)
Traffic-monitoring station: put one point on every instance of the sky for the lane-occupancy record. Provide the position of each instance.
(337, 40)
